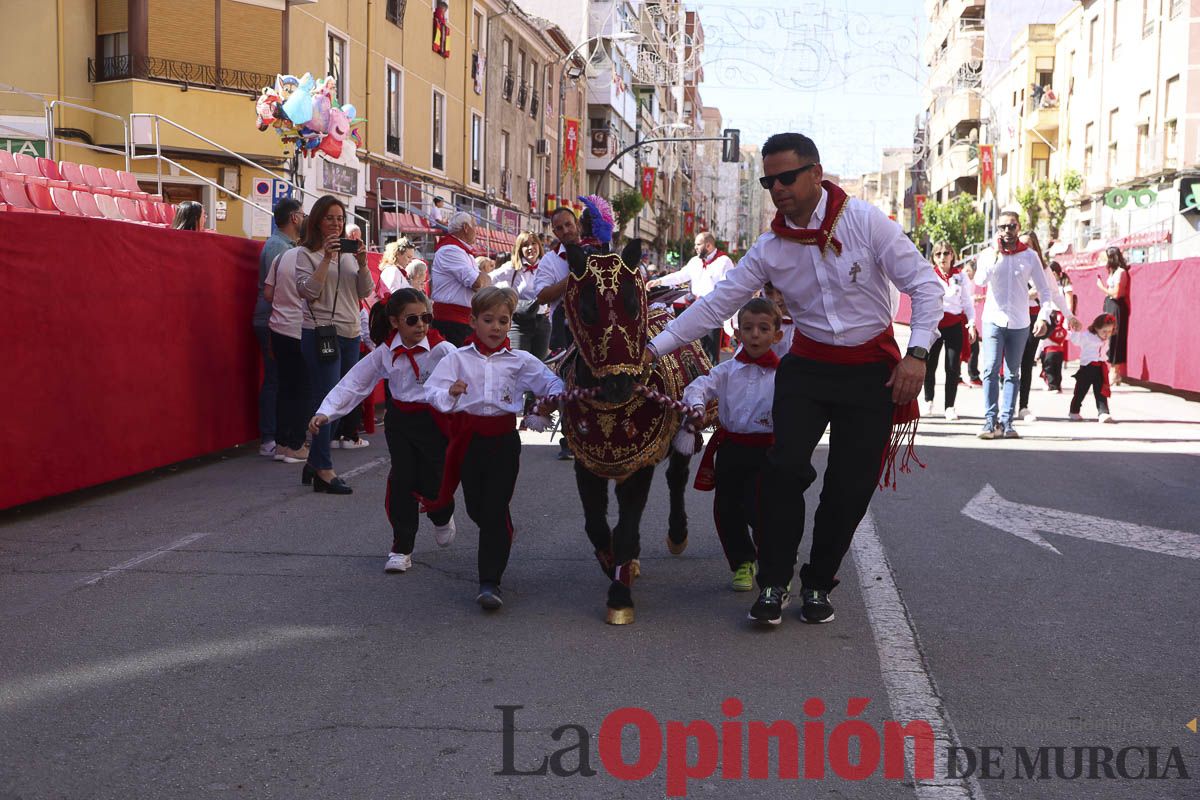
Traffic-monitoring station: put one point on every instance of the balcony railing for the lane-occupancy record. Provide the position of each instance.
(533, 104)
(507, 88)
(522, 93)
(117, 68)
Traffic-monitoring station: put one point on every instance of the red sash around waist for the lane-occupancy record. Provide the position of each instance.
(1105, 386)
(706, 476)
(411, 407)
(880, 350)
(951, 320)
(449, 312)
(460, 429)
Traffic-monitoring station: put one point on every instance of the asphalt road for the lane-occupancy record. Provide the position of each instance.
(218, 631)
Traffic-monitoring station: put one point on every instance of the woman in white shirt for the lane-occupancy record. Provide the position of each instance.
(531, 322)
(393, 269)
(956, 330)
(1116, 303)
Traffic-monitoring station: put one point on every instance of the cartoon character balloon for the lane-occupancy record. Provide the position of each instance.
(304, 112)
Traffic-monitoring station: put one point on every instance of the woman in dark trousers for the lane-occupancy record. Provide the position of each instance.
(531, 324)
(1116, 303)
(955, 331)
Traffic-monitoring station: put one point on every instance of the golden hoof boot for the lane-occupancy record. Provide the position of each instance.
(676, 549)
(635, 569)
(619, 616)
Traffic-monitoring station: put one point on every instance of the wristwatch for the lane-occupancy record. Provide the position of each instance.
(919, 353)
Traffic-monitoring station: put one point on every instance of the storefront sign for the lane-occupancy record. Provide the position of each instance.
(1142, 198)
(29, 147)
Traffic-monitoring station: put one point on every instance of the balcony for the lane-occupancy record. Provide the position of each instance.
(506, 90)
(123, 68)
(950, 111)
(522, 94)
(534, 104)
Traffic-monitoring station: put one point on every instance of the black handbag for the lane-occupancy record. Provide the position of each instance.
(327, 345)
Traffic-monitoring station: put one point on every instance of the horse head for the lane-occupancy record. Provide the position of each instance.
(606, 309)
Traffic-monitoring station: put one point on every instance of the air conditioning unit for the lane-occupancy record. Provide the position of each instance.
(542, 147)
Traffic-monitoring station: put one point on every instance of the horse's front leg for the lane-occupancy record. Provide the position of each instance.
(593, 493)
(632, 494)
(678, 468)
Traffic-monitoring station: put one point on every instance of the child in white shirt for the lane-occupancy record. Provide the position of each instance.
(744, 388)
(480, 387)
(417, 445)
(1093, 366)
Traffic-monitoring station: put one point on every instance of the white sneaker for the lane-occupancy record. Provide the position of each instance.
(353, 444)
(1076, 418)
(267, 449)
(1029, 416)
(951, 414)
(927, 409)
(1106, 418)
(397, 562)
(444, 534)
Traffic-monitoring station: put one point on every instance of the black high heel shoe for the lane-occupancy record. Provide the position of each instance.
(307, 474)
(335, 486)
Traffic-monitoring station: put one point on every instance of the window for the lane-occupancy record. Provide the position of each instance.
(1176, 7)
(336, 66)
(439, 130)
(393, 111)
(1116, 26)
(1040, 161)
(505, 178)
(1111, 170)
(506, 55)
(114, 45)
(522, 86)
(395, 11)
(533, 92)
(477, 23)
(1148, 17)
(1093, 29)
(1170, 126)
(1143, 148)
(476, 149)
(1087, 149)
(529, 162)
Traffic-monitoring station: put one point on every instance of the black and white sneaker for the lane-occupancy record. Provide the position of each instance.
(489, 596)
(815, 607)
(768, 608)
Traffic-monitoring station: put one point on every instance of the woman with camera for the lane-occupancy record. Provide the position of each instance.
(531, 322)
(332, 278)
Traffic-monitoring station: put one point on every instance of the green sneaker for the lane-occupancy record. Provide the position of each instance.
(743, 577)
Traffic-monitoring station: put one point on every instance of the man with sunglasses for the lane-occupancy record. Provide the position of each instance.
(835, 260)
(1007, 270)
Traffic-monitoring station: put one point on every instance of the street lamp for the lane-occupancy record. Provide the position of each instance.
(619, 36)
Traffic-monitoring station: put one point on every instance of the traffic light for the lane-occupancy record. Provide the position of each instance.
(731, 148)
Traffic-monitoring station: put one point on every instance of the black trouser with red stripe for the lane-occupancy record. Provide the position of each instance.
(418, 451)
(1090, 376)
(488, 478)
(738, 473)
(810, 396)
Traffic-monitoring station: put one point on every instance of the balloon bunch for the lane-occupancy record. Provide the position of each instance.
(302, 110)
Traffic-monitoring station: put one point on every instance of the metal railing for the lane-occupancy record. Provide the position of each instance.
(52, 150)
(402, 202)
(116, 68)
(46, 117)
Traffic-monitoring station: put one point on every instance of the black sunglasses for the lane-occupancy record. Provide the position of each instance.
(1011, 226)
(786, 178)
(412, 319)
(941, 253)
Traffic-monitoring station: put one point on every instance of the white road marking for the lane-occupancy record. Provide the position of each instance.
(26, 691)
(1025, 521)
(912, 694)
(361, 468)
(142, 559)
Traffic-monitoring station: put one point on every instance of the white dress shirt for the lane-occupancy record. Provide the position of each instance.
(393, 279)
(551, 269)
(744, 394)
(452, 276)
(1007, 279)
(784, 345)
(1091, 347)
(385, 362)
(702, 276)
(841, 300)
(496, 384)
(959, 297)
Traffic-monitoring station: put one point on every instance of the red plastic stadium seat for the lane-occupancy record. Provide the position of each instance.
(8, 163)
(64, 201)
(129, 209)
(40, 196)
(49, 169)
(108, 206)
(72, 172)
(91, 176)
(166, 212)
(128, 182)
(149, 212)
(86, 201)
(14, 195)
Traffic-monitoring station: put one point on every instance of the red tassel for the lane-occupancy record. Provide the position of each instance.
(902, 443)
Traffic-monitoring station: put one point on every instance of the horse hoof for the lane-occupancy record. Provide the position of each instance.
(676, 548)
(619, 616)
(635, 569)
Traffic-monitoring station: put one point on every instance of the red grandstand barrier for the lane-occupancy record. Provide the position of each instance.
(138, 355)
(1161, 298)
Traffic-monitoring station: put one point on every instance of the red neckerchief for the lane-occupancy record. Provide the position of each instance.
(529, 267)
(453, 241)
(944, 276)
(1020, 247)
(822, 237)
(715, 255)
(767, 360)
(483, 348)
(432, 339)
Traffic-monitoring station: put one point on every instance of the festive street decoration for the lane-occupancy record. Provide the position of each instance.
(303, 111)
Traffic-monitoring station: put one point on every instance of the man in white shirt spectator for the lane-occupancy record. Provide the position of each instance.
(706, 269)
(550, 282)
(453, 279)
(1007, 270)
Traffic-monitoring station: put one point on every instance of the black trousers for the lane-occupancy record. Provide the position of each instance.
(973, 362)
(531, 334)
(291, 403)
(810, 396)
(736, 498)
(952, 340)
(489, 475)
(1052, 364)
(454, 332)
(560, 331)
(1118, 342)
(418, 451)
(1028, 357)
(1090, 376)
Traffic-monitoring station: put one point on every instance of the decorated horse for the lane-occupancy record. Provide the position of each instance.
(620, 416)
